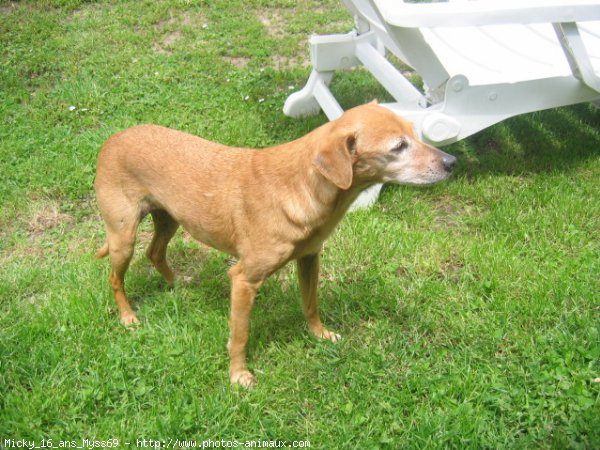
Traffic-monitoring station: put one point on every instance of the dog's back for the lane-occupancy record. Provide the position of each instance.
(149, 167)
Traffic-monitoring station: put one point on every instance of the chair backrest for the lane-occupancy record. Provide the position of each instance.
(498, 51)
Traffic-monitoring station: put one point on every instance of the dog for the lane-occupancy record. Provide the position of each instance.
(264, 207)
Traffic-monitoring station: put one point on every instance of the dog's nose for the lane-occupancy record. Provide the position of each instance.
(449, 162)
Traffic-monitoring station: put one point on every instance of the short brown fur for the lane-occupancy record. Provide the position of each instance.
(264, 207)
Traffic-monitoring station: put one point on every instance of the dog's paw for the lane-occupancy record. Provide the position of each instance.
(243, 378)
(129, 320)
(328, 335)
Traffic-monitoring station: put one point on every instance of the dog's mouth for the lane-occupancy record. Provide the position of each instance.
(423, 180)
(419, 177)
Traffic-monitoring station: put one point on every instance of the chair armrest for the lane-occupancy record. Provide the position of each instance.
(479, 13)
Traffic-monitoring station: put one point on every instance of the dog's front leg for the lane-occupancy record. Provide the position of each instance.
(308, 275)
(243, 292)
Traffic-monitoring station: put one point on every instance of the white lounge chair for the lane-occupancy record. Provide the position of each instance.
(481, 61)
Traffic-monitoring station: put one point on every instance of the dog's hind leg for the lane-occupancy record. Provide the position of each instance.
(121, 242)
(164, 229)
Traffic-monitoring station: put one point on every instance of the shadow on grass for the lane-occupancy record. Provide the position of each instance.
(277, 314)
(556, 140)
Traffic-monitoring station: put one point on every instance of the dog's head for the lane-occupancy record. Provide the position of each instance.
(371, 144)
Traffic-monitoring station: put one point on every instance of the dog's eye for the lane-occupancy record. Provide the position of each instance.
(400, 146)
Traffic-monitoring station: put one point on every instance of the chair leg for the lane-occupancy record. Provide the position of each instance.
(312, 97)
(367, 197)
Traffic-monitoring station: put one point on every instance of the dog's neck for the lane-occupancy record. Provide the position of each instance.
(314, 196)
(310, 202)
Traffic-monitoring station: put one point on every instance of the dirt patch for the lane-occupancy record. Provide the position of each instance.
(88, 11)
(20, 252)
(164, 23)
(280, 23)
(46, 218)
(450, 267)
(173, 29)
(165, 45)
(279, 62)
(186, 19)
(42, 229)
(274, 21)
(171, 38)
(8, 8)
(238, 61)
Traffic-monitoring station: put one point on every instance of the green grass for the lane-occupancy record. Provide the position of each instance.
(470, 310)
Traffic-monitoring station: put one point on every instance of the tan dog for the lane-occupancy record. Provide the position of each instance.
(264, 207)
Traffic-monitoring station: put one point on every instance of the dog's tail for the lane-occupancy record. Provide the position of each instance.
(102, 252)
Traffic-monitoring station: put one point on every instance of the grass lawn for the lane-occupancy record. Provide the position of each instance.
(470, 310)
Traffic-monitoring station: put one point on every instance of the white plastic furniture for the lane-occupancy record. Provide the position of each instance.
(481, 61)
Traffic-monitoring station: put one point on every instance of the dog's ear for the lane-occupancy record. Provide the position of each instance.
(334, 160)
